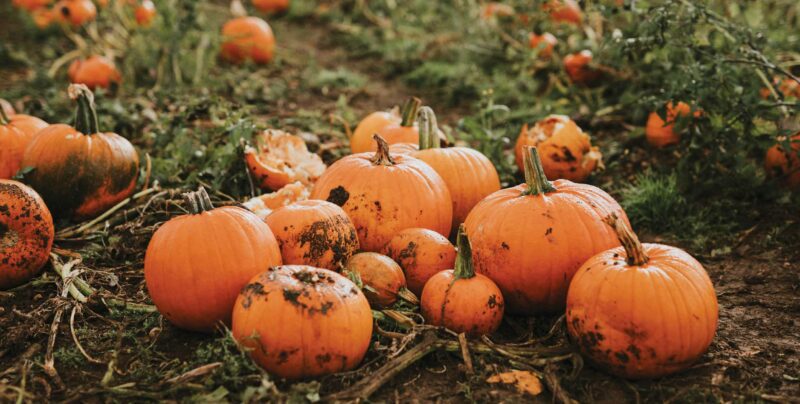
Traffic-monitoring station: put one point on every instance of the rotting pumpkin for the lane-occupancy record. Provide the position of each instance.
(16, 132)
(279, 159)
(383, 279)
(421, 253)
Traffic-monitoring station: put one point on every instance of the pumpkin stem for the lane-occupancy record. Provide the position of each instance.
(428, 129)
(4, 119)
(198, 201)
(463, 268)
(629, 240)
(534, 174)
(409, 111)
(382, 156)
(86, 114)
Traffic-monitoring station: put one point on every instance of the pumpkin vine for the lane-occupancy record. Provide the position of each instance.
(534, 174)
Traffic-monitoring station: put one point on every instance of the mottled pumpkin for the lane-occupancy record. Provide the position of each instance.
(660, 133)
(196, 264)
(641, 311)
(80, 171)
(315, 233)
(75, 12)
(530, 239)
(302, 322)
(16, 132)
(26, 234)
(783, 164)
(95, 71)
(384, 282)
(421, 253)
(384, 194)
(247, 38)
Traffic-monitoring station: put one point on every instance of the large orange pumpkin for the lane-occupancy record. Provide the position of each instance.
(641, 311)
(383, 279)
(361, 141)
(81, 172)
(579, 71)
(95, 71)
(530, 239)
(785, 164)
(303, 321)
(384, 194)
(314, 233)
(461, 300)
(271, 6)
(421, 253)
(469, 175)
(75, 12)
(660, 133)
(26, 233)
(566, 151)
(248, 38)
(196, 264)
(16, 132)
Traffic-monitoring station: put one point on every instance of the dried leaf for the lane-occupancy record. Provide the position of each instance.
(524, 381)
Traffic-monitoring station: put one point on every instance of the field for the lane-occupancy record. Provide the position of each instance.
(86, 329)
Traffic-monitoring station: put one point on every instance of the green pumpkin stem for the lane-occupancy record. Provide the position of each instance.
(463, 267)
(409, 111)
(428, 129)
(86, 114)
(4, 119)
(534, 174)
(634, 250)
(382, 156)
(198, 201)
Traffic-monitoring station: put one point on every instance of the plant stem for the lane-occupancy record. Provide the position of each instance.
(409, 111)
(4, 119)
(633, 247)
(86, 114)
(198, 201)
(428, 129)
(534, 174)
(382, 156)
(463, 267)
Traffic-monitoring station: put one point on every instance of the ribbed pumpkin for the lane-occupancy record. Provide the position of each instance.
(421, 253)
(303, 322)
(81, 172)
(784, 164)
(247, 38)
(469, 175)
(660, 133)
(315, 233)
(26, 233)
(95, 71)
(384, 194)
(566, 151)
(196, 264)
(641, 311)
(16, 132)
(406, 131)
(361, 140)
(383, 279)
(461, 300)
(530, 239)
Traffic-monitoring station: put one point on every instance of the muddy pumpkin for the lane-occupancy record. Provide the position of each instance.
(26, 234)
(303, 322)
(421, 253)
(785, 164)
(315, 233)
(384, 282)
(660, 133)
(530, 239)
(641, 310)
(279, 159)
(16, 132)
(247, 39)
(93, 72)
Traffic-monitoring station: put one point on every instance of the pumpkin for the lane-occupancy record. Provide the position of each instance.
(403, 148)
(785, 164)
(461, 300)
(530, 239)
(271, 6)
(469, 175)
(75, 12)
(196, 264)
(6, 107)
(247, 38)
(543, 44)
(641, 310)
(43, 17)
(263, 205)
(421, 253)
(16, 132)
(383, 279)
(145, 12)
(280, 159)
(660, 133)
(579, 70)
(361, 141)
(384, 194)
(31, 5)
(80, 171)
(566, 151)
(787, 87)
(303, 322)
(95, 71)
(26, 234)
(494, 9)
(314, 233)
(566, 11)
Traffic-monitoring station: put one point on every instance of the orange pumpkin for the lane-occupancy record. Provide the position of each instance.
(263, 205)
(145, 13)
(469, 175)
(641, 311)
(16, 132)
(403, 148)
(196, 264)
(384, 194)
(75, 12)
(247, 38)
(660, 133)
(566, 151)
(95, 71)
(303, 321)
(271, 6)
(43, 17)
(280, 159)
(383, 279)
(314, 233)
(26, 234)
(31, 5)
(785, 164)
(543, 43)
(786, 86)
(495, 9)
(566, 11)
(406, 131)
(461, 300)
(421, 253)
(579, 70)
(530, 239)
(361, 141)
(81, 172)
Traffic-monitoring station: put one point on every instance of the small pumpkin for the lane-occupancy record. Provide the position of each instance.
(404, 132)
(577, 66)
(32, 5)
(660, 133)
(279, 159)
(16, 132)
(641, 310)
(566, 11)
(421, 253)
(543, 44)
(80, 171)
(271, 6)
(789, 88)
(196, 264)
(566, 151)
(785, 164)
(93, 72)
(384, 282)
(384, 194)
(494, 9)
(145, 12)
(530, 239)
(43, 17)
(461, 300)
(75, 12)
(315, 233)
(26, 233)
(247, 38)
(361, 140)
(469, 175)
(303, 322)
